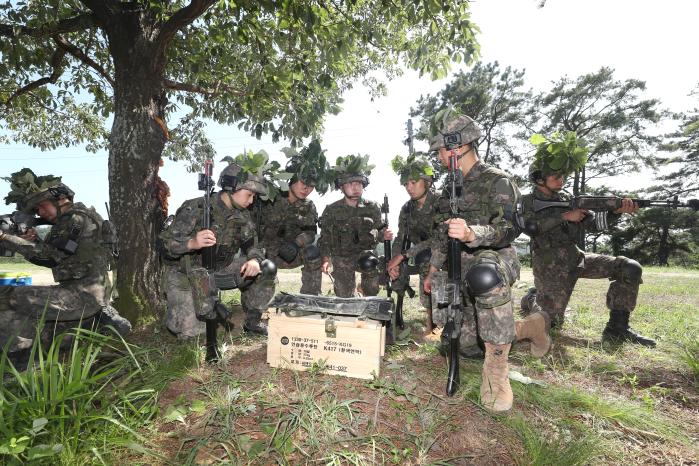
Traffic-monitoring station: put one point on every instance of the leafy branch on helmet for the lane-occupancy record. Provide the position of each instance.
(561, 153)
(413, 168)
(25, 183)
(352, 168)
(258, 164)
(310, 166)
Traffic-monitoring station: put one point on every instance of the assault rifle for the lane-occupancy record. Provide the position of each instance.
(402, 285)
(18, 223)
(612, 203)
(386, 258)
(451, 297)
(208, 259)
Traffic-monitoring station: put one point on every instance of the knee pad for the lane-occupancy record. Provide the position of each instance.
(423, 256)
(629, 271)
(311, 252)
(482, 278)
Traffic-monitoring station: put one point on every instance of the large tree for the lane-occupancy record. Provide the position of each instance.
(269, 66)
(493, 96)
(683, 143)
(611, 116)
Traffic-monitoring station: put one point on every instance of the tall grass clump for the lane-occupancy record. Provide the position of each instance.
(72, 408)
(689, 353)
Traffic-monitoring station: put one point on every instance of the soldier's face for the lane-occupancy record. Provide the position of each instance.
(243, 197)
(416, 189)
(445, 153)
(301, 190)
(555, 182)
(47, 211)
(353, 190)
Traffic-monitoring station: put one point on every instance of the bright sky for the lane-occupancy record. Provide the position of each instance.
(641, 39)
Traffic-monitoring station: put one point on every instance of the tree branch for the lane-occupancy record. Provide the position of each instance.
(181, 18)
(56, 61)
(83, 57)
(217, 89)
(76, 23)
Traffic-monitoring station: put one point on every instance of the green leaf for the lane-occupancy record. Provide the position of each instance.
(43, 451)
(175, 413)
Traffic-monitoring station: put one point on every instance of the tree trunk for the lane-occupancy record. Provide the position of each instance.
(136, 143)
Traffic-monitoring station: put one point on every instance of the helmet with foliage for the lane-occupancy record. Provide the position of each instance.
(253, 172)
(450, 129)
(28, 190)
(310, 166)
(352, 168)
(413, 168)
(558, 154)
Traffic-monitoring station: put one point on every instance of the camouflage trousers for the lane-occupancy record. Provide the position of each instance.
(180, 317)
(311, 276)
(489, 315)
(401, 283)
(65, 306)
(345, 282)
(555, 283)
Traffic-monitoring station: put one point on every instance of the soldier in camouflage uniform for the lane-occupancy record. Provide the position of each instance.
(289, 223)
(238, 260)
(414, 229)
(78, 251)
(351, 229)
(489, 264)
(557, 262)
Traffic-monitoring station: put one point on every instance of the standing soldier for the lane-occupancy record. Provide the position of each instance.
(414, 228)
(489, 266)
(557, 262)
(233, 231)
(78, 249)
(289, 222)
(350, 230)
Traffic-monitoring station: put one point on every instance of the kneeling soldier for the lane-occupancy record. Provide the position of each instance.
(238, 261)
(485, 207)
(350, 230)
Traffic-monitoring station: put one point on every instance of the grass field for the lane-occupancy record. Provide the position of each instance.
(589, 403)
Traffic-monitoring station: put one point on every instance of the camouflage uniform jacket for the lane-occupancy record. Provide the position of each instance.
(347, 231)
(234, 230)
(282, 221)
(73, 249)
(555, 237)
(417, 223)
(488, 204)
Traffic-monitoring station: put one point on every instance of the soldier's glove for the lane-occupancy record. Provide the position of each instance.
(288, 251)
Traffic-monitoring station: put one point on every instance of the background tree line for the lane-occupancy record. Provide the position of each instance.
(624, 130)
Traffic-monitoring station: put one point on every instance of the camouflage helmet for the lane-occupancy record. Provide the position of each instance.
(28, 190)
(450, 129)
(233, 179)
(414, 168)
(310, 166)
(558, 154)
(352, 168)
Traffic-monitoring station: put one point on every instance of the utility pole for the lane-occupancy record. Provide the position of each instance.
(409, 141)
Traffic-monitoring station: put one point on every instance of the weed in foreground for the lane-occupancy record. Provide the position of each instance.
(689, 353)
(76, 408)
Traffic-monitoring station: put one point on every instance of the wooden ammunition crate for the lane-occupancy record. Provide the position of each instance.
(348, 346)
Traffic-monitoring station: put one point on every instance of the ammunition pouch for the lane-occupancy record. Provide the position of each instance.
(288, 251)
(204, 293)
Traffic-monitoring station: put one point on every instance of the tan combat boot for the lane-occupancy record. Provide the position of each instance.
(535, 329)
(496, 393)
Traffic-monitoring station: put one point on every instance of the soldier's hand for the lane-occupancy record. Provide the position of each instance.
(30, 235)
(325, 264)
(575, 215)
(387, 235)
(458, 229)
(250, 269)
(427, 284)
(627, 207)
(203, 239)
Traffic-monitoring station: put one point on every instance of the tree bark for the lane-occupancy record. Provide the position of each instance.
(135, 146)
(663, 246)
